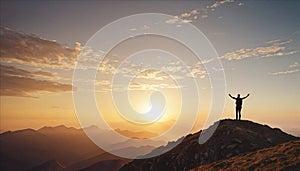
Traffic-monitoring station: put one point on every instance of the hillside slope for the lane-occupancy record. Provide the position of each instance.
(284, 156)
(231, 138)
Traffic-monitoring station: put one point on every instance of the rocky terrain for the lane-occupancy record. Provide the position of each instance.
(231, 138)
(284, 156)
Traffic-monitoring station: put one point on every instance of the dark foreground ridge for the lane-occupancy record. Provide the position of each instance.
(279, 157)
(231, 138)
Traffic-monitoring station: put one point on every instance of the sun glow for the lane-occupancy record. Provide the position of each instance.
(147, 108)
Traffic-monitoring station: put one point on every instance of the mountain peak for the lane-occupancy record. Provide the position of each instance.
(56, 129)
(231, 138)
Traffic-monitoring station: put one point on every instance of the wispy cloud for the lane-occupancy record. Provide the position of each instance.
(285, 72)
(219, 3)
(293, 68)
(151, 87)
(13, 71)
(295, 64)
(152, 75)
(274, 48)
(197, 73)
(28, 64)
(19, 82)
(240, 4)
(195, 14)
(40, 57)
(144, 78)
(279, 42)
(186, 17)
(32, 50)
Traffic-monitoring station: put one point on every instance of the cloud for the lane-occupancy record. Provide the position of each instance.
(23, 83)
(151, 87)
(197, 73)
(31, 50)
(295, 64)
(38, 56)
(103, 85)
(137, 85)
(13, 71)
(296, 32)
(219, 3)
(279, 42)
(294, 68)
(19, 50)
(240, 4)
(152, 74)
(177, 70)
(274, 48)
(186, 17)
(284, 72)
(193, 15)
(152, 79)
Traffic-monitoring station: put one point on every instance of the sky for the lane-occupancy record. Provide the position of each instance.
(258, 43)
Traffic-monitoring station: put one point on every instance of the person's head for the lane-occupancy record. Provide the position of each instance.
(239, 95)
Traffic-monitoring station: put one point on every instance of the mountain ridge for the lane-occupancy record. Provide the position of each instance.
(231, 138)
(29, 148)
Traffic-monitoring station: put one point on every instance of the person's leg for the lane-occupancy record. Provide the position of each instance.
(240, 115)
(236, 113)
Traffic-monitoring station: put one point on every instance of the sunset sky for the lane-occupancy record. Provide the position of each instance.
(258, 43)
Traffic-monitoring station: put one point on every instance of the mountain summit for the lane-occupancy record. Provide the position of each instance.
(231, 138)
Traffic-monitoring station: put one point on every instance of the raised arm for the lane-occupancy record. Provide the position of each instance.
(246, 96)
(231, 96)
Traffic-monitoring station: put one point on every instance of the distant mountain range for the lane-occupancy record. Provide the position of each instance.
(235, 145)
(62, 148)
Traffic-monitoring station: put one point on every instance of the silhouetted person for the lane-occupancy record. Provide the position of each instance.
(238, 107)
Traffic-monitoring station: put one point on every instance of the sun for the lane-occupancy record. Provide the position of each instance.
(146, 108)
